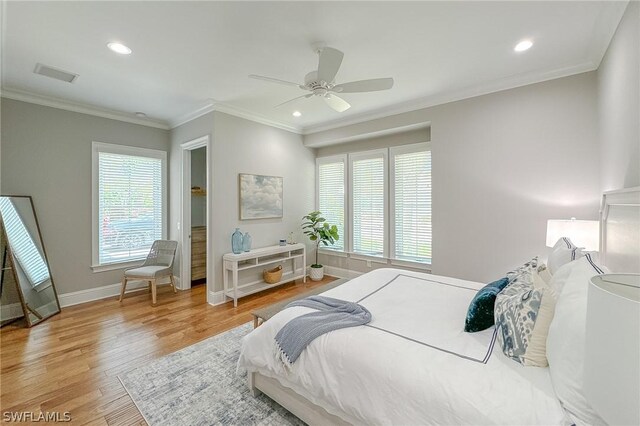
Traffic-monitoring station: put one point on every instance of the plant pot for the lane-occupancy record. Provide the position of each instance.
(316, 273)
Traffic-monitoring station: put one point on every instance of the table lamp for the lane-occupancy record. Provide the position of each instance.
(612, 349)
(582, 233)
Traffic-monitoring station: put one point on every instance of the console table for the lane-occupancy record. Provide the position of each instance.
(262, 258)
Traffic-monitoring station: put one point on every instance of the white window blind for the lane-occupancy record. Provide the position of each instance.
(368, 198)
(411, 182)
(23, 246)
(130, 198)
(331, 198)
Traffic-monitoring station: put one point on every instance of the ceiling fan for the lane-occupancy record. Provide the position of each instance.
(321, 82)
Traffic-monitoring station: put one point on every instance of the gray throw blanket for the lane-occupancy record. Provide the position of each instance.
(333, 314)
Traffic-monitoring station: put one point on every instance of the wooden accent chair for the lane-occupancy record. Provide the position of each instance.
(159, 264)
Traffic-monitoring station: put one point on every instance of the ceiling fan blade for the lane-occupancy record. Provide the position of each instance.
(329, 64)
(275, 80)
(372, 85)
(337, 103)
(294, 99)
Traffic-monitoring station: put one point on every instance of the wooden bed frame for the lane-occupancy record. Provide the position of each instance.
(619, 250)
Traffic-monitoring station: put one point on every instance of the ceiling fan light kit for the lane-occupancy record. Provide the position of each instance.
(321, 83)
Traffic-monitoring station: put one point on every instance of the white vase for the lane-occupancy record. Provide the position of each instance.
(316, 274)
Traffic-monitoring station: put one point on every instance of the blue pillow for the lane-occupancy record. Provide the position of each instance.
(480, 313)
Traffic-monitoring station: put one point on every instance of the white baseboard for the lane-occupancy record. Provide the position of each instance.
(216, 298)
(341, 272)
(98, 293)
(104, 292)
(11, 311)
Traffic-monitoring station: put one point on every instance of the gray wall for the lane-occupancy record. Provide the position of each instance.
(503, 164)
(403, 138)
(46, 153)
(619, 104)
(243, 146)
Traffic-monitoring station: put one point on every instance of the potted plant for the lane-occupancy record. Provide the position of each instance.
(320, 232)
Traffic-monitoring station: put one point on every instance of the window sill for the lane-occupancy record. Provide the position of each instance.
(116, 266)
(426, 267)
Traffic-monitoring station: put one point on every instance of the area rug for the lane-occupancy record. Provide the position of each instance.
(198, 385)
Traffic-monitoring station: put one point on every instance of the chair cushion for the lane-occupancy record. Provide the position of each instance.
(148, 272)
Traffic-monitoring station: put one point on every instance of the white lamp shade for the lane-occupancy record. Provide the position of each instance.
(612, 348)
(582, 233)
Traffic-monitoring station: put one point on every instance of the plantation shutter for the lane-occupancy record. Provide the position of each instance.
(331, 198)
(412, 206)
(368, 197)
(23, 246)
(130, 197)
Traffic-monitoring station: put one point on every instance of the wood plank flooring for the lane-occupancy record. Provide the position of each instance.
(70, 362)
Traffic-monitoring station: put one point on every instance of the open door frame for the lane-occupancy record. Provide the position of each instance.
(185, 214)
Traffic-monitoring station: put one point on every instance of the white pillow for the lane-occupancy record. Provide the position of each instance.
(561, 276)
(563, 252)
(566, 339)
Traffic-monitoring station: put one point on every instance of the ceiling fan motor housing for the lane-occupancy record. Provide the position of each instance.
(319, 88)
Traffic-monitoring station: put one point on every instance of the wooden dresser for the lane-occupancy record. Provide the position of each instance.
(198, 252)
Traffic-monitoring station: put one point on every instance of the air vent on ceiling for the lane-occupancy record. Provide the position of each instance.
(56, 73)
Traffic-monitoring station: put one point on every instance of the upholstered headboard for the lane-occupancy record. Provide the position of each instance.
(620, 230)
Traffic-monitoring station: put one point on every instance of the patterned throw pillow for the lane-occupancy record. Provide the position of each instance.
(533, 265)
(523, 313)
(480, 315)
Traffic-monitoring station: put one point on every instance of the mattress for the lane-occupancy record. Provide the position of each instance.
(413, 364)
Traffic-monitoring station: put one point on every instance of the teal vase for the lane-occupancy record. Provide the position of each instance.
(236, 242)
(246, 242)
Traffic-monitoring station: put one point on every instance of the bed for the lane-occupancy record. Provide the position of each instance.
(414, 361)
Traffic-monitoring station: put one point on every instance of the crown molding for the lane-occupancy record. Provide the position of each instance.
(249, 115)
(235, 111)
(49, 101)
(192, 115)
(453, 96)
(212, 105)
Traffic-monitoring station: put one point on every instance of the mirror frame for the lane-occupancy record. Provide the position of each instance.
(25, 310)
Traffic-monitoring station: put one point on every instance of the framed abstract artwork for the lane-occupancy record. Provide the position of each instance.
(260, 197)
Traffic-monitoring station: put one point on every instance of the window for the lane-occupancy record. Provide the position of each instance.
(368, 203)
(129, 197)
(411, 203)
(331, 195)
(388, 203)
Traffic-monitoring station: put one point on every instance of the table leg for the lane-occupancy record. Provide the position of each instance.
(235, 286)
(225, 280)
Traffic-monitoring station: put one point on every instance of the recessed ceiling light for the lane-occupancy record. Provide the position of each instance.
(119, 48)
(523, 45)
(296, 113)
(141, 114)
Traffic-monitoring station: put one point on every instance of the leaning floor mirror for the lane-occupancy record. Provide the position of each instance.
(26, 286)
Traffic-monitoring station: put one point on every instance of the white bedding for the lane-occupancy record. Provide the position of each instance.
(413, 364)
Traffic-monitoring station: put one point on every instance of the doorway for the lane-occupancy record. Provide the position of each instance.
(196, 266)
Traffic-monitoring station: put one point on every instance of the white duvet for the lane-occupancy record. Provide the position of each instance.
(413, 364)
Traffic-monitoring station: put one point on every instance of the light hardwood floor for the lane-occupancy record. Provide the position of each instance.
(71, 361)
